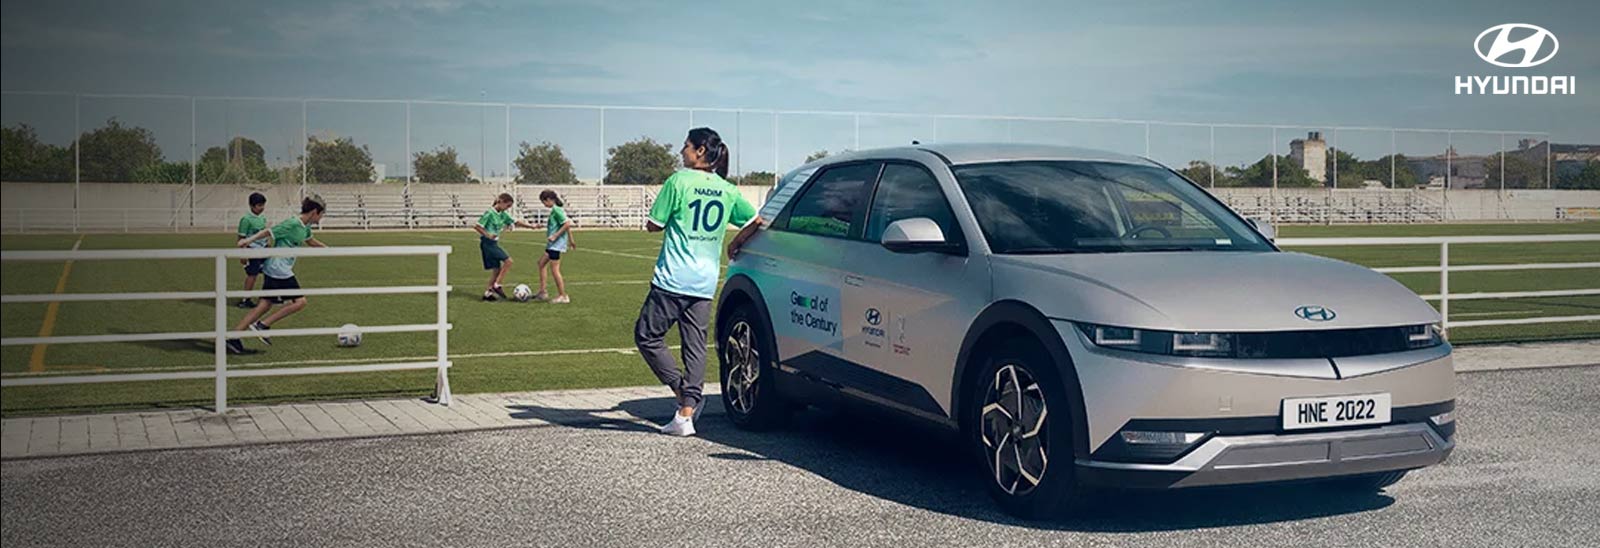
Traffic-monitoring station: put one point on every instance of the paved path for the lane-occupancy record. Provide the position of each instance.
(247, 424)
(100, 433)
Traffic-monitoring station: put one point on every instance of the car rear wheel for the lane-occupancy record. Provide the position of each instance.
(1022, 434)
(746, 351)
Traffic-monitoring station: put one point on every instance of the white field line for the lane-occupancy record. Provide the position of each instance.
(291, 363)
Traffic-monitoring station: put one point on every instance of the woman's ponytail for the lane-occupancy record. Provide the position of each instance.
(716, 151)
(721, 165)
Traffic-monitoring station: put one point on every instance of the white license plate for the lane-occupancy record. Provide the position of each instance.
(1335, 411)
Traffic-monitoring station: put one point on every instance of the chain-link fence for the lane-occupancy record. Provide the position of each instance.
(290, 147)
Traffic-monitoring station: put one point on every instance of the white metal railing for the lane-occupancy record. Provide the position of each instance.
(220, 332)
(1444, 296)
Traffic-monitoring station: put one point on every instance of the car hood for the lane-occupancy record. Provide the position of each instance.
(1207, 291)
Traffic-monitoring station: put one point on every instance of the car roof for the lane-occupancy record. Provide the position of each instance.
(977, 153)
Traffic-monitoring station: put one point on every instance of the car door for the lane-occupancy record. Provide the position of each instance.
(798, 264)
(906, 313)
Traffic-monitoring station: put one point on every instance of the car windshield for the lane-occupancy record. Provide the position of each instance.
(1097, 207)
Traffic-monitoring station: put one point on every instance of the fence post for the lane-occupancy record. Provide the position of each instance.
(857, 119)
(1444, 287)
(509, 163)
(442, 384)
(602, 145)
(305, 149)
(408, 165)
(221, 348)
(77, 155)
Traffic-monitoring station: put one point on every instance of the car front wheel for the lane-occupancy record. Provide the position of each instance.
(746, 352)
(1022, 433)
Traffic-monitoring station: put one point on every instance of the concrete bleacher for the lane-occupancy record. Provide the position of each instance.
(1324, 206)
(121, 207)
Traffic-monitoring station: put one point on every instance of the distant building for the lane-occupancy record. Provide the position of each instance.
(1311, 154)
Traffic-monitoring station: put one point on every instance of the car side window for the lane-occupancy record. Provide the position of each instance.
(907, 191)
(831, 205)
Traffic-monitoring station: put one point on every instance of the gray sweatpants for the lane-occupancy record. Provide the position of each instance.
(692, 314)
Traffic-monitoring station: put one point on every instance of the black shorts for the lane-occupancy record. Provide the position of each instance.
(282, 283)
(552, 254)
(253, 266)
(493, 254)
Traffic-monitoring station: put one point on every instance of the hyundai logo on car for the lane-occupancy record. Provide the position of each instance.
(1314, 313)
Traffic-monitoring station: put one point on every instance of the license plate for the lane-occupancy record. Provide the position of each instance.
(1335, 411)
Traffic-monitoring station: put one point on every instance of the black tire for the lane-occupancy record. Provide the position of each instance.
(1368, 483)
(750, 405)
(1049, 489)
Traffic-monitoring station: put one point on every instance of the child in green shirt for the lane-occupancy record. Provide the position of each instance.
(495, 259)
(558, 237)
(292, 232)
(249, 225)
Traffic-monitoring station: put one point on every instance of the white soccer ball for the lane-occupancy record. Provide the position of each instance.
(349, 335)
(522, 293)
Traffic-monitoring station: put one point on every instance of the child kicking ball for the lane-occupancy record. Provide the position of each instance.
(495, 259)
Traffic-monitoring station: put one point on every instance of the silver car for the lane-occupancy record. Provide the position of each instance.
(1083, 319)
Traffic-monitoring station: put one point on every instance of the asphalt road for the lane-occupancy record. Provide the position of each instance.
(1526, 472)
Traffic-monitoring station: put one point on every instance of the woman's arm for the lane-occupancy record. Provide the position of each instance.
(483, 233)
(749, 231)
(313, 242)
(565, 227)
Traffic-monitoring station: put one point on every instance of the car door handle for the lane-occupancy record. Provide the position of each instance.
(853, 280)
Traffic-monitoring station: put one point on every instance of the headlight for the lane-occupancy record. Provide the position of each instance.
(1210, 345)
(1424, 336)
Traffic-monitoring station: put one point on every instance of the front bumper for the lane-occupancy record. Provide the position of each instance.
(1239, 459)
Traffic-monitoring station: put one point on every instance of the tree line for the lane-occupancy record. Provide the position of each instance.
(116, 152)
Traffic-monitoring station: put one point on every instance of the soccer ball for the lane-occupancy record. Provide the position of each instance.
(522, 293)
(349, 335)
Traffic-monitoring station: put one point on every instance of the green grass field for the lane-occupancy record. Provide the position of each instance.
(534, 346)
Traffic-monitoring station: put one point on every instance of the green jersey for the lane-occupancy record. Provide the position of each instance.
(289, 233)
(493, 221)
(557, 218)
(249, 225)
(695, 208)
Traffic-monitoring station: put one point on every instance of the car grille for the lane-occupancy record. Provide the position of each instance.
(1336, 343)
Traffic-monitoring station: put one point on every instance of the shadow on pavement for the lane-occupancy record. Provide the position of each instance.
(909, 463)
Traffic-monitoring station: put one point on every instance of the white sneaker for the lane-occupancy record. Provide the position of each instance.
(561, 299)
(679, 426)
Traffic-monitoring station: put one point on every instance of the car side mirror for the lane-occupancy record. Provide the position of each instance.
(915, 235)
(1265, 228)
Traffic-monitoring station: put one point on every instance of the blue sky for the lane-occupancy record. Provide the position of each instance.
(1298, 64)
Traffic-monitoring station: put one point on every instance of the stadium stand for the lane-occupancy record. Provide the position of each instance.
(1322, 206)
(121, 207)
